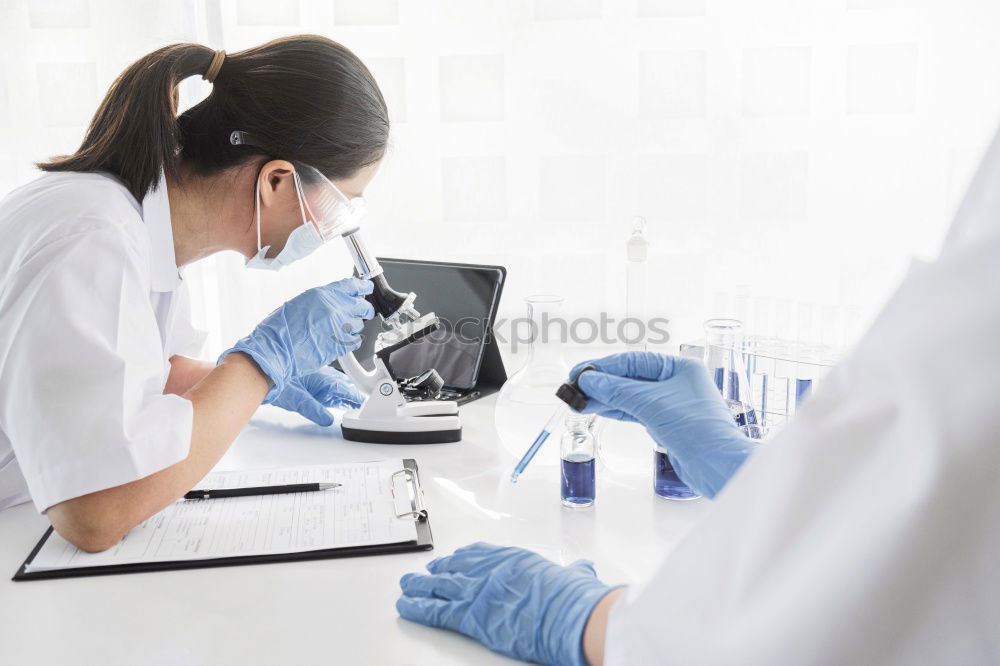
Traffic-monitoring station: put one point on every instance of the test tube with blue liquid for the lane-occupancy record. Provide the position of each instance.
(574, 398)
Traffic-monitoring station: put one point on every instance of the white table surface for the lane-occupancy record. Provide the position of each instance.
(338, 611)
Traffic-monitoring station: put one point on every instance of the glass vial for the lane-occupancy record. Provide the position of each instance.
(578, 451)
(636, 252)
(666, 483)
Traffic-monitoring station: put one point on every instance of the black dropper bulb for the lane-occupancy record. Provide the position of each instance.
(570, 391)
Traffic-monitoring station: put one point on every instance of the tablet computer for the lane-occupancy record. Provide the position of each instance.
(465, 297)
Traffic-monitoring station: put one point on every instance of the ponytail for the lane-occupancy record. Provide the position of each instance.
(305, 99)
(134, 133)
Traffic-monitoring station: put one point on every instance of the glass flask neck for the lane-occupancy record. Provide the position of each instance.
(582, 424)
(547, 329)
(724, 333)
(579, 439)
(724, 362)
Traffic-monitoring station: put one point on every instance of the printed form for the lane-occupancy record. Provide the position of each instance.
(361, 512)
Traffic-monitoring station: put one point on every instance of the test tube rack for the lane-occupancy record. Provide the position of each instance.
(782, 374)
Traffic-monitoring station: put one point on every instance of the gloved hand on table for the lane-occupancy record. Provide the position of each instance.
(511, 600)
(311, 395)
(683, 411)
(308, 332)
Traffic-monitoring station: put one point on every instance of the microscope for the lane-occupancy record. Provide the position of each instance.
(386, 417)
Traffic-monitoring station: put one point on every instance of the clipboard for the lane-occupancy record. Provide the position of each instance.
(412, 506)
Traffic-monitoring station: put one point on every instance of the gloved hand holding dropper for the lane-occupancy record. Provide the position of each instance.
(680, 407)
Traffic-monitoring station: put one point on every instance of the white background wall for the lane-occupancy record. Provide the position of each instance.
(789, 155)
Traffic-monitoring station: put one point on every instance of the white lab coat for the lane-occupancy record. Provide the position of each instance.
(868, 531)
(91, 309)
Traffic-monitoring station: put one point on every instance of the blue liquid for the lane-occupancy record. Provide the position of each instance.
(803, 387)
(763, 396)
(734, 383)
(578, 487)
(529, 454)
(666, 483)
(748, 417)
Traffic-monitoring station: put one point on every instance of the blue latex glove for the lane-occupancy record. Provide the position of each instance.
(312, 395)
(675, 399)
(511, 600)
(308, 332)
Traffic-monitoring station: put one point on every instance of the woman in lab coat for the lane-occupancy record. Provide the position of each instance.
(866, 532)
(105, 416)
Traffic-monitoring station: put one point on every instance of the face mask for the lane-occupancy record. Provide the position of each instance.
(303, 241)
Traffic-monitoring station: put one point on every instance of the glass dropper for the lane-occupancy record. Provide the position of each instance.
(569, 393)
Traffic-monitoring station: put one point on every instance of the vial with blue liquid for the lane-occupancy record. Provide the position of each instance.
(666, 483)
(578, 454)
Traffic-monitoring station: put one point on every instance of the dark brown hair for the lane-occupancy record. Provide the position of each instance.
(304, 99)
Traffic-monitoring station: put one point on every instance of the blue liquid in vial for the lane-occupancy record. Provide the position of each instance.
(803, 387)
(666, 483)
(578, 487)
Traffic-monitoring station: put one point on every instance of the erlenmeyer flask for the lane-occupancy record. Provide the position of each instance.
(724, 361)
(528, 398)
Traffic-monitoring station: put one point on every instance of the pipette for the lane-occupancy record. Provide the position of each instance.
(570, 394)
(558, 415)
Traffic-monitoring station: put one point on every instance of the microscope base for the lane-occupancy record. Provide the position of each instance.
(402, 437)
(430, 429)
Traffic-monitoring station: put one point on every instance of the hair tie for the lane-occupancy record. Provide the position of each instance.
(214, 67)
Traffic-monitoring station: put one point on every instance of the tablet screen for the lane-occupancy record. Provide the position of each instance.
(463, 298)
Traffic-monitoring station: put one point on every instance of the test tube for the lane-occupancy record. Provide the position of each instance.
(805, 374)
(783, 319)
(784, 373)
(804, 315)
(759, 388)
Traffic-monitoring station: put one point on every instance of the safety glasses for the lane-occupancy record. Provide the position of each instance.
(329, 209)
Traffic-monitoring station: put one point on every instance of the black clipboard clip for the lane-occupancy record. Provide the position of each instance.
(415, 494)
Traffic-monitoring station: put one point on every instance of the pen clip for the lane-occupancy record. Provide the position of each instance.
(414, 492)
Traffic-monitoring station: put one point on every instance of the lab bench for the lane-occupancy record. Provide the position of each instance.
(340, 610)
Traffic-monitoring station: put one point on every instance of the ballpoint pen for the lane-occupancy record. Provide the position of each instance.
(259, 490)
